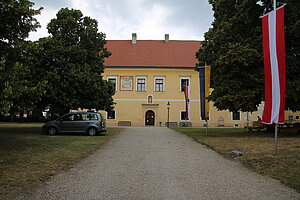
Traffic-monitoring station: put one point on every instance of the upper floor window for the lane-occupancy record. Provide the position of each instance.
(236, 115)
(184, 82)
(113, 79)
(159, 84)
(141, 84)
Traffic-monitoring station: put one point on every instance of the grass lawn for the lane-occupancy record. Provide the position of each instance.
(258, 149)
(26, 155)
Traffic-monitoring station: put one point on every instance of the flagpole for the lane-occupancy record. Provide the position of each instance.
(276, 140)
(206, 118)
(206, 125)
(276, 125)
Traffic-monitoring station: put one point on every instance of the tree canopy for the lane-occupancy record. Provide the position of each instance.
(233, 47)
(71, 60)
(292, 38)
(18, 91)
(59, 72)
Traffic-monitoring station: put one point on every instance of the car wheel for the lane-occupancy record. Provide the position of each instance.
(92, 131)
(52, 131)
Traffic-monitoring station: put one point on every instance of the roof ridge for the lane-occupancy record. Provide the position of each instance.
(162, 40)
(175, 53)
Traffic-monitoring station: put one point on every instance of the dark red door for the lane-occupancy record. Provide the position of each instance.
(149, 118)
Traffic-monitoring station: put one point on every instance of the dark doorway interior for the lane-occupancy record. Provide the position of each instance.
(150, 118)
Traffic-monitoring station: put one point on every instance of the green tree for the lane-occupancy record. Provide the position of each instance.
(18, 89)
(71, 60)
(233, 46)
(292, 38)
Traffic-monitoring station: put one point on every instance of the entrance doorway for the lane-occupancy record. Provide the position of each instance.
(149, 118)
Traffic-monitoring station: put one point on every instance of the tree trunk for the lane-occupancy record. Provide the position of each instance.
(11, 117)
(22, 116)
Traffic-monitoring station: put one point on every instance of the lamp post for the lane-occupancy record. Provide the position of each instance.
(168, 107)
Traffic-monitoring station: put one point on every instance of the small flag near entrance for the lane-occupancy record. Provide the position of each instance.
(187, 102)
(274, 66)
(204, 77)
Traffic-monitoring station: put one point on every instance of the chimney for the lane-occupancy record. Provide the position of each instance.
(166, 38)
(133, 38)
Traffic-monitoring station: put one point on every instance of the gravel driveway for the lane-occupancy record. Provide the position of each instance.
(157, 163)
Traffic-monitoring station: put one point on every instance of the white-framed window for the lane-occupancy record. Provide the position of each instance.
(141, 83)
(113, 79)
(183, 115)
(110, 115)
(159, 84)
(184, 81)
(236, 116)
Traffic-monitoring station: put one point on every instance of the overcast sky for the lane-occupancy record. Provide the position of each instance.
(150, 19)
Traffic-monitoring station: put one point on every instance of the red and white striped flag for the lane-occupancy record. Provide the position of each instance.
(274, 62)
(187, 102)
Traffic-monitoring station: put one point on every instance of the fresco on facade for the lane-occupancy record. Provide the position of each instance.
(126, 83)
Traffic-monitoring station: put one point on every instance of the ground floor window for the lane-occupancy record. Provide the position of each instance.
(203, 118)
(183, 115)
(111, 114)
(236, 115)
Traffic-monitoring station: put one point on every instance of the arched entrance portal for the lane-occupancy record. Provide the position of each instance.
(149, 118)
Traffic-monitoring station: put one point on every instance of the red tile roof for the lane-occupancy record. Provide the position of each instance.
(152, 53)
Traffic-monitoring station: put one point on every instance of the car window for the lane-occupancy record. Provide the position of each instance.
(92, 117)
(84, 116)
(77, 117)
(68, 117)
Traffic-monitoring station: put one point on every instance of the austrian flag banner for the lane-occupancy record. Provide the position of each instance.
(187, 102)
(274, 66)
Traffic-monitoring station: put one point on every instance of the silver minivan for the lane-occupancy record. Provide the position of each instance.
(90, 123)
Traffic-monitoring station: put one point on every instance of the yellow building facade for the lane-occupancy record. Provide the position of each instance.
(133, 106)
(149, 77)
